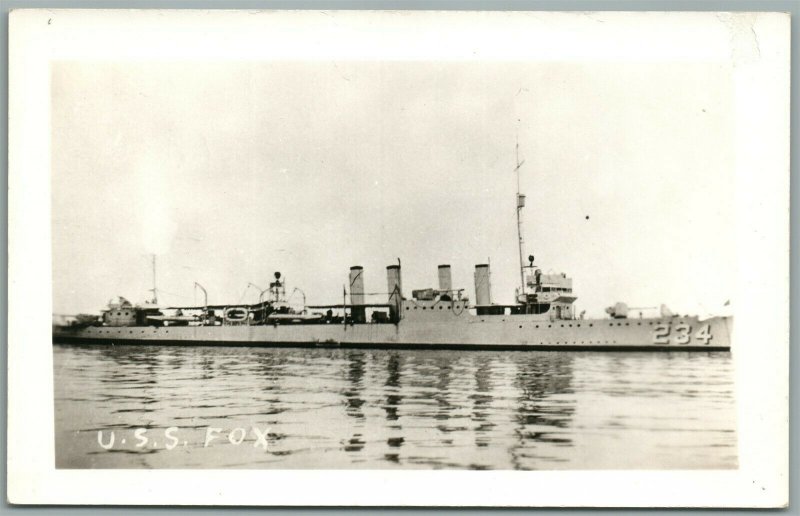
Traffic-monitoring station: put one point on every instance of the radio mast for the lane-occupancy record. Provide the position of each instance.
(155, 295)
(520, 205)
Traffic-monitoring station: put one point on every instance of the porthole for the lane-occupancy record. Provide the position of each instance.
(407, 308)
(537, 326)
(520, 326)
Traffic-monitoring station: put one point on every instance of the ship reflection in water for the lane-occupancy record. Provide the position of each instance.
(203, 407)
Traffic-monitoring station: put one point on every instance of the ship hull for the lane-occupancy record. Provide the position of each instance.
(664, 334)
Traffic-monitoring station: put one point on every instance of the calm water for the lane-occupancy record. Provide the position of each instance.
(332, 408)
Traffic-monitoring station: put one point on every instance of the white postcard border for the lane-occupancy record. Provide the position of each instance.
(756, 43)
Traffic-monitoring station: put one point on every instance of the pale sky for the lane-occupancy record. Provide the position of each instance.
(229, 171)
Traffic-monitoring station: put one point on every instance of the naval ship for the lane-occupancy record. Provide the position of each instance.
(541, 318)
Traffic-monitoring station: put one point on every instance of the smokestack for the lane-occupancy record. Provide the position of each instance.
(445, 280)
(395, 284)
(483, 287)
(357, 285)
(358, 313)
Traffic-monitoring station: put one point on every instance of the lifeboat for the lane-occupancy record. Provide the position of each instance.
(235, 314)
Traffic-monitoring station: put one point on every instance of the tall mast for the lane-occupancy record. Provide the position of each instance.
(520, 205)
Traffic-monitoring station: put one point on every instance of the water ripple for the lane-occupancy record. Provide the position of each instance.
(207, 407)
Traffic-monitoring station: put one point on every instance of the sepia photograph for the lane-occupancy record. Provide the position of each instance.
(497, 257)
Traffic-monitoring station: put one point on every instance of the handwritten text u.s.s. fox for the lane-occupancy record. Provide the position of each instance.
(170, 439)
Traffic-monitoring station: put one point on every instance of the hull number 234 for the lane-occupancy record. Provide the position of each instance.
(681, 333)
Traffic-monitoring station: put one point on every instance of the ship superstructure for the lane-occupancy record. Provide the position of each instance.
(542, 318)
